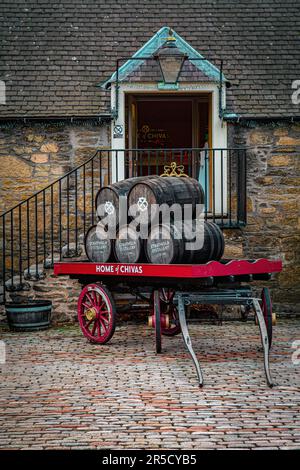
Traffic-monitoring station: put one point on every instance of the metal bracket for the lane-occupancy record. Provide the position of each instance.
(225, 297)
(186, 337)
(264, 339)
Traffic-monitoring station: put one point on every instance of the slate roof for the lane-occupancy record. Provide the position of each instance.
(54, 53)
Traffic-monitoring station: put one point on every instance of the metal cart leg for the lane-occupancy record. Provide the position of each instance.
(156, 302)
(264, 339)
(187, 339)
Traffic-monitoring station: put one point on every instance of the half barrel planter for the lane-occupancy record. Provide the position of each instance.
(33, 315)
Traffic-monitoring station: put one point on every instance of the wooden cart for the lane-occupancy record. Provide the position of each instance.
(169, 290)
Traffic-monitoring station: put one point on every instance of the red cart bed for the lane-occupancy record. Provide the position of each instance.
(178, 271)
(174, 287)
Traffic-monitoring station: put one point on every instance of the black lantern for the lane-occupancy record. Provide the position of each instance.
(170, 60)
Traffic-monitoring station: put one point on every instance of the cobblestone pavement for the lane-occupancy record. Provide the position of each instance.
(59, 391)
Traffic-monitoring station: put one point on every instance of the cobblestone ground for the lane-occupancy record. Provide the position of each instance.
(58, 391)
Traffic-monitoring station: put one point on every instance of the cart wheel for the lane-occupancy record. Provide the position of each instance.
(96, 313)
(168, 313)
(156, 308)
(267, 312)
(167, 307)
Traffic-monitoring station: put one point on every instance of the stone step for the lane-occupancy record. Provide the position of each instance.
(14, 284)
(71, 251)
(48, 261)
(35, 273)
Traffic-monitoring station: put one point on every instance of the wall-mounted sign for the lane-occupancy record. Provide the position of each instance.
(118, 131)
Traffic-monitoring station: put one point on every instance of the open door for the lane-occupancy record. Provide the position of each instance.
(167, 128)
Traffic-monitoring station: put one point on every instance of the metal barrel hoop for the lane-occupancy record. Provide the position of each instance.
(157, 313)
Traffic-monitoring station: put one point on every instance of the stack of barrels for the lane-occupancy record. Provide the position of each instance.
(180, 238)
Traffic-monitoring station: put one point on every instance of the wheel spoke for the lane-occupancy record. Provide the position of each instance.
(90, 299)
(88, 323)
(105, 319)
(99, 300)
(86, 305)
(94, 326)
(103, 325)
(100, 305)
(95, 295)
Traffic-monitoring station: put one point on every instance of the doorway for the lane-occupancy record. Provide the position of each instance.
(165, 128)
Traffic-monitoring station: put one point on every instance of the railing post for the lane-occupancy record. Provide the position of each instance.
(20, 245)
(222, 187)
(3, 257)
(92, 201)
(12, 248)
(76, 214)
(28, 237)
(59, 221)
(84, 203)
(36, 237)
(241, 187)
(230, 185)
(44, 228)
(52, 227)
(213, 186)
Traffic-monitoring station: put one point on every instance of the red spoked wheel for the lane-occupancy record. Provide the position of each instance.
(96, 313)
(267, 312)
(168, 311)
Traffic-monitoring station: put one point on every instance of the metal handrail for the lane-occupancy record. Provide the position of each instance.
(49, 223)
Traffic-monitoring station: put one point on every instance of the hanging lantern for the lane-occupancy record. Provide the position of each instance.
(170, 60)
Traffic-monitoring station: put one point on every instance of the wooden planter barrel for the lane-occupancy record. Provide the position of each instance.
(167, 244)
(98, 244)
(166, 190)
(32, 315)
(108, 198)
(128, 246)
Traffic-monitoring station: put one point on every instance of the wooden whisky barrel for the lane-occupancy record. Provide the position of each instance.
(165, 190)
(107, 199)
(199, 250)
(98, 244)
(219, 243)
(163, 245)
(169, 243)
(128, 246)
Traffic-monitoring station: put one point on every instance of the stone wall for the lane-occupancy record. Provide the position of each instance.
(273, 228)
(32, 156)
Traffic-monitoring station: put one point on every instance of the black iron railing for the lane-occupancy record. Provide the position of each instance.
(50, 225)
